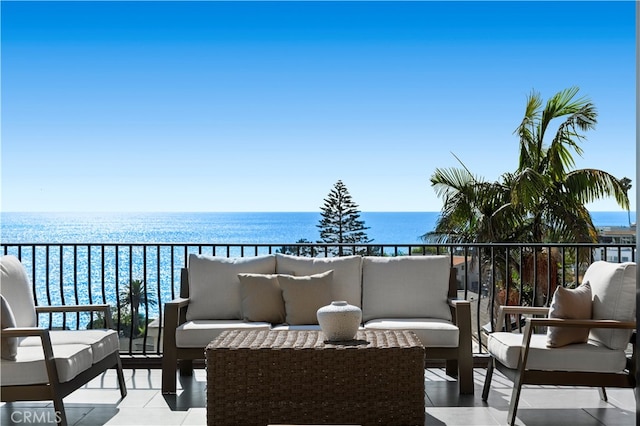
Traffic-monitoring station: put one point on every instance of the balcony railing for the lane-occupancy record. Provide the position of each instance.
(488, 275)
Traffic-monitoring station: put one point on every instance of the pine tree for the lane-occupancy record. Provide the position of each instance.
(341, 223)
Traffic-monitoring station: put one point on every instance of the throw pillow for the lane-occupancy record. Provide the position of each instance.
(303, 296)
(569, 304)
(261, 298)
(8, 345)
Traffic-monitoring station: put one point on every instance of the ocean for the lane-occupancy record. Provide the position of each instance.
(219, 228)
(97, 272)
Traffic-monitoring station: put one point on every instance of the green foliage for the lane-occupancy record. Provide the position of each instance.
(299, 250)
(543, 200)
(340, 222)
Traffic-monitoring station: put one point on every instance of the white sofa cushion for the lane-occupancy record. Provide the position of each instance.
(613, 287)
(16, 288)
(347, 273)
(29, 367)
(305, 327)
(214, 286)
(405, 287)
(8, 345)
(102, 342)
(432, 332)
(590, 356)
(199, 333)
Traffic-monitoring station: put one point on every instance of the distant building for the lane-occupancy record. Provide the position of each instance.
(616, 235)
(467, 266)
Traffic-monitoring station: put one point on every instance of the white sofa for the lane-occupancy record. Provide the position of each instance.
(283, 292)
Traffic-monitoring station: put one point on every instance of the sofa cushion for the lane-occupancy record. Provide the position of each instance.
(261, 298)
(16, 288)
(199, 333)
(214, 286)
(613, 286)
(432, 332)
(590, 356)
(303, 296)
(569, 304)
(347, 273)
(8, 345)
(302, 327)
(102, 342)
(29, 367)
(405, 287)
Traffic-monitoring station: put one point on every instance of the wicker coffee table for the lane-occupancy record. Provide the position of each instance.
(263, 377)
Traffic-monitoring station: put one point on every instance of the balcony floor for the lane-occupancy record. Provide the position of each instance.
(99, 403)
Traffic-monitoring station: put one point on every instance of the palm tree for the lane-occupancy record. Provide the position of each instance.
(543, 200)
(552, 196)
(131, 297)
(625, 183)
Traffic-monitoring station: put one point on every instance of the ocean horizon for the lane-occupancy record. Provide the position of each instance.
(220, 227)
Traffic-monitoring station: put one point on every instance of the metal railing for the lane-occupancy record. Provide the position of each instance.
(123, 274)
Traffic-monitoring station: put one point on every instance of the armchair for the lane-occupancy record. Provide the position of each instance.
(40, 364)
(600, 362)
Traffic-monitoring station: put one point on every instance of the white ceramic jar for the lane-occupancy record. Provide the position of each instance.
(339, 321)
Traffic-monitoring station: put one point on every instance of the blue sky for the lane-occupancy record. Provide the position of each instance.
(243, 106)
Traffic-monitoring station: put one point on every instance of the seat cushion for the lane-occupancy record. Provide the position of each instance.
(214, 286)
(29, 367)
(347, 273)
(405, 287)
(432, 332)
(301, 327)
(590, 356)
(199, 333)
(16, 288)
(101, 342)
(613, 287)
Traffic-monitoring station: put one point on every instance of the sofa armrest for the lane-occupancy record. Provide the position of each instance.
(462, 319)
(96, 307)
(174, 315)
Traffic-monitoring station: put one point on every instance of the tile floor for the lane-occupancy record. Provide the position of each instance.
(99, 403)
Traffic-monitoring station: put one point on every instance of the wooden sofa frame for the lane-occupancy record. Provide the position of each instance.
(458, 360)
(55, 390)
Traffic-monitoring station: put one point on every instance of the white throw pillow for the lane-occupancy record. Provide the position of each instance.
(214, 286)
(347, 273)
(569, 304)
(405, 287)
(613, 286)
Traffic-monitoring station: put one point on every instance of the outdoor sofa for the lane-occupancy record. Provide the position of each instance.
(283, 292)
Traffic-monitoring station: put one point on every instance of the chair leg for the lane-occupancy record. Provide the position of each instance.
(603, 394)
(61, 416)
(515, 398)
(487, 380)
(186, 367)
(451, 367)
(121, 384)
(169, 369)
